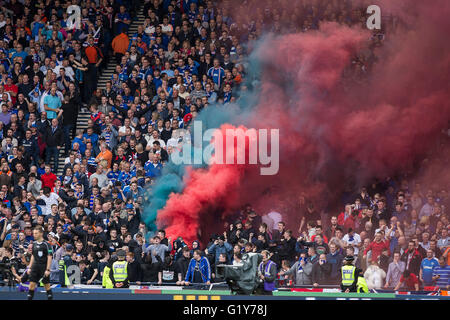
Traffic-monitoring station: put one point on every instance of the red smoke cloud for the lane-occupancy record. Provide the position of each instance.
(206, 190)
(332, 129)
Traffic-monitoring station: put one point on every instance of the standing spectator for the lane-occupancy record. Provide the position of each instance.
(48, 178)
(412, 258)
(217, 73)
(352, 239)
(330, 232)
(321, 271)
(427, 267)
(374, 276)
(301, 270)
(287, 247)
(443, 241)
(120, 45)
(377, 246)
(441, 274)
(54, 139)
(334, 258)
(95, 57)
(395, 271)
(134, 268)
(52, 104)
(159, 248)
(182, 264)
(199, 270)
(220, 246)
(427, 208)
(70, 116)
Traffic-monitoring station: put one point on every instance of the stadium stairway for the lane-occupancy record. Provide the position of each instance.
(105, 75)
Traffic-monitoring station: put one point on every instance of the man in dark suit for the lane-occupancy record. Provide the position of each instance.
(54, 139)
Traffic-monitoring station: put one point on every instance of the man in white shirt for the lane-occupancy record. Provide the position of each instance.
(353, 239)
(166, 27)
(153, 138)
(50, 198)
(69, 71)
(123, 129)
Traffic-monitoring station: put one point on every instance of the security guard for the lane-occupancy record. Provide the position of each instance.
(350, 275)
(361, 285)
(119, 271)
(106, 280)
(64, 263)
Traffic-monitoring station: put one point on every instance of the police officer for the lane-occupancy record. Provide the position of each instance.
(41, 260)
(349, 275)
(119, 271)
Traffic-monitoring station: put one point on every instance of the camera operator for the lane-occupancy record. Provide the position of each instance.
(5, 265)
(19, 265)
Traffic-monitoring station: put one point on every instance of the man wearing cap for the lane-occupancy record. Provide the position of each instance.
(221, 246)
(119, 271)
(350, 275)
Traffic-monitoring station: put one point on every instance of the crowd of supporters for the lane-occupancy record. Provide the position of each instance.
(187, 55)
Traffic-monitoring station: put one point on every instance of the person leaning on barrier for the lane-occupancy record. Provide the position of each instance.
(119, 271)
(350, 276)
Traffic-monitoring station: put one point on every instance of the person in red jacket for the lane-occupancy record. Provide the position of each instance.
(48, 178)
(343, 216)
(377, 246)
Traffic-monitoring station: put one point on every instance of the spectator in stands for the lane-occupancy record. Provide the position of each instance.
(441, 274)
(302, 270)
(160, 83)
(199, 270)
(376, 246)
(408, 281)
(321, 271)
(427, 267)
(395, 271)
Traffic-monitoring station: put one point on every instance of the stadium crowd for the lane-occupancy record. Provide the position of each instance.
(187, 55)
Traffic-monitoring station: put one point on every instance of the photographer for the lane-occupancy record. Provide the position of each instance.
(5, 266)
(19, 266)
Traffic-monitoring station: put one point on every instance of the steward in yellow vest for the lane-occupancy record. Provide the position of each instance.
(106, 281)
(119, 271)
(362, 285)
(349, 275)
